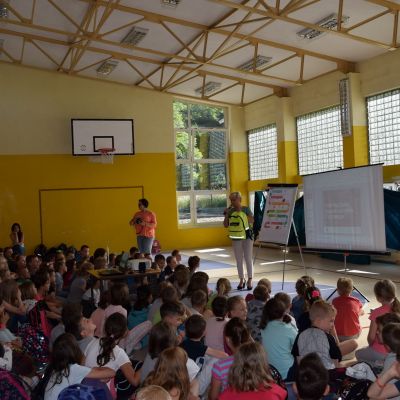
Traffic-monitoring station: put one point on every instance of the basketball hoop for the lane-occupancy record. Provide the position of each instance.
(106, 156)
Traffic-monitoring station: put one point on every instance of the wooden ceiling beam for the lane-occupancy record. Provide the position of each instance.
(64, 14)
(305, 24)
(365, 21)
(120, 55)
(153, 17)
(385, 3)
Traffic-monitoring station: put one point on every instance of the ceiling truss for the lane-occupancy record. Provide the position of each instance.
(197, 58)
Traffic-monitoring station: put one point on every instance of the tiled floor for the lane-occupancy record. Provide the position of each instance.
(269, 264)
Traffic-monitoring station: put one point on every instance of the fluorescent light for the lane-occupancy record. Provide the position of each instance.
(208, 88)
(258, 62)
(107, 67)
(274, 262)
(170, 3)
(134, 36)
(4, 9)
(329, 22)
(208, 250)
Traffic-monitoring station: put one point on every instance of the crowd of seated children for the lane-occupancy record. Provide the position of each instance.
(184, 323)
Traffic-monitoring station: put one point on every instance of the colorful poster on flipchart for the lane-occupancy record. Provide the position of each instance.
(278, 214)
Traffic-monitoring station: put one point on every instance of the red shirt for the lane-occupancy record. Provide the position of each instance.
(376, 345)
(347, 321)
(275, 392)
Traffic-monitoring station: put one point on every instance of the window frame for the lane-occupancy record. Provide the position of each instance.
(192, 161)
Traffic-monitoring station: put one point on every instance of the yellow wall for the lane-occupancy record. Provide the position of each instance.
(35, 153)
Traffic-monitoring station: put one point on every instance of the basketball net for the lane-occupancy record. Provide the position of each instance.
(106, 157)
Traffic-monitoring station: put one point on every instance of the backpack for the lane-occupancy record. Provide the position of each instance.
(123, 388)
(11, 388)
(355, 389)
(34, 341)
(85, 392)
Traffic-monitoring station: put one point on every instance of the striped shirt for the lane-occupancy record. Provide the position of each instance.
(220, 371)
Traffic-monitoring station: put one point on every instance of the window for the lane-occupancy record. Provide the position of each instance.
(201, 163)
(319, 141)
(263, 152)
(384, 127)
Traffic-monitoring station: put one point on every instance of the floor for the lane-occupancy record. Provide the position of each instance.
(269, 264)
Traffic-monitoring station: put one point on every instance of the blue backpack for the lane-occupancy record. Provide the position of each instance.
(85, 392)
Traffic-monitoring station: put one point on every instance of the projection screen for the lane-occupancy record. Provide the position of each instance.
(344, 210)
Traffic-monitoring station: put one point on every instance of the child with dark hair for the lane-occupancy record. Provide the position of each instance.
(262, 282)
(65, 368)
(235, 334)
(255, 310)
(310, 296)
(214, 335)
(170, 267)
(78, 285)
(168, 294)
(278, 336)
(198, 281)
(180, 279)
(199, 303)
(311, 378)
(287, 301)
(193, 264)
(161, 336)
(140, 309)
(195, 327)
(389, 327)
(298, 302)
(70, 274)
(176, 253)
(106, 352)
(28, 295)
(60, 268)
(159, 262)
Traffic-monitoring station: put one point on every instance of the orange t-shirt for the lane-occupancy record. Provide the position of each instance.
(148, 217)
(347, 321)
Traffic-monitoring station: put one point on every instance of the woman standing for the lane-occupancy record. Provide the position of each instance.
(238, 220)
(145, 224)
(17, 238)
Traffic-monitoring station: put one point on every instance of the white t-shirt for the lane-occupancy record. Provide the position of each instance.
(118, 357)
(77, 373)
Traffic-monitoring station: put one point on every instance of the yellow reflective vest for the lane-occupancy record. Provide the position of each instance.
(238, 225)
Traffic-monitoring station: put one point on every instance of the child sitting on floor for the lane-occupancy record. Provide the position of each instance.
(255, 311)
(349, 309)
(311, 378)
(385, 293)
(214, 336)
(195, 327)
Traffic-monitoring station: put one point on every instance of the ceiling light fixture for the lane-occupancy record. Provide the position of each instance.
(107, 67)
(258, 62)
(134, 36)
(208, 88)
(170, 3)
(4, 9)
(329, 22)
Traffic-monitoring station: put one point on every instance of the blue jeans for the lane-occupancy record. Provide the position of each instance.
(145, 244)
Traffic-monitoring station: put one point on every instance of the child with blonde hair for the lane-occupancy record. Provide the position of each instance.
(385, 293)
(319, 338)
(348, 311)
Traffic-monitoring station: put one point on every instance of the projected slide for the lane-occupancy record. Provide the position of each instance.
(344, 210)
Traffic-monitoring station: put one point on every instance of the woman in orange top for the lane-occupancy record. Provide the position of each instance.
(145, 224)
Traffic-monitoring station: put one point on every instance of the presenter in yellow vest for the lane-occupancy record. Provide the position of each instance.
(239, 220)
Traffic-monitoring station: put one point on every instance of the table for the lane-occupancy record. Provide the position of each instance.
(97, 273)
